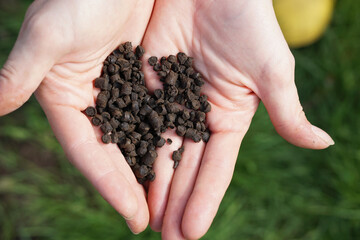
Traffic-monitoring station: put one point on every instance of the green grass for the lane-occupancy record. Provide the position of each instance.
(278, 191)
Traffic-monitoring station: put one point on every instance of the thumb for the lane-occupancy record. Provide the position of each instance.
(286, 113)
(29, 61)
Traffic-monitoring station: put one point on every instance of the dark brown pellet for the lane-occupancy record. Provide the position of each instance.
(126, 89)
(113, 68)
(143, 128)
(161, 142)
(106, 138)
(206, 136)
(151, 175)
(101, 83)
(157, 67)
(176, 164)
(198, 126)
(90, 111)
(143, 170)
(171, 78)
(116, 113)
(206, 107)
(117, 137)
(155, 120)
(135, 137)
(169, 141)
(203, 98)
(171, 58)
(148, 136)
(141, 151)
(200, 116)
(196, 137)
(124, 126)
(127, 99)
(185, 114)
(129, 147)
(162, 60)
(181, 57)
(145, 110)
(106, 127)
(149, 157)
(161, 110)
(106, 116)
(120, 103)
(171, 117)
(172, 91)
(128, 47)
(97, 120)
(176, 156)
(180, 121)
(131, 160)
(139, 51)
(189, 62)
(101, 100)
(189, 124)
(190, 132)
(124, 64)
(159, 93)
(138, 173)
(162, 74)
(175, 67)
(152, 60)
(121, 48)
(181, 130)
(151, 147)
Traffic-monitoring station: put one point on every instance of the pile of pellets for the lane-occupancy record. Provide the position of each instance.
(134, 120)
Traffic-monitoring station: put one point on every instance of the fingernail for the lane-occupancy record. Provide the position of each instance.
(131, 229)
(323, 135)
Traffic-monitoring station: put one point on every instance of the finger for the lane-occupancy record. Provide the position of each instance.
(31, 58)
(77, 137)
(140, 221)
(286, 113)
(160, 187)
(181, 188)
(213, 179)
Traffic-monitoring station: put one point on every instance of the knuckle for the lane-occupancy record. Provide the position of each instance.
(11, 90)
(38, 28)
(291, 123)
(279, 74)
(282, 69)
(41, 29)
(7, 73)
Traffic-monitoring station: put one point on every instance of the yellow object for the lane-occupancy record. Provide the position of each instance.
(303, 21)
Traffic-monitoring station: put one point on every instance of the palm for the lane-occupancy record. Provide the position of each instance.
(229, 41)
(68, 88)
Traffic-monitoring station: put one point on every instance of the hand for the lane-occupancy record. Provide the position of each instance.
(241, 52)
(60, 50)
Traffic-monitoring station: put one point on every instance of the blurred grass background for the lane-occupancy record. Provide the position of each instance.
(278, 191)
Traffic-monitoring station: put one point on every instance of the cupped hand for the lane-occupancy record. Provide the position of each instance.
(59, 51)
(240, 51)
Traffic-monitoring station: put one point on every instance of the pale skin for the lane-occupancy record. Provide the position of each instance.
(237, 46)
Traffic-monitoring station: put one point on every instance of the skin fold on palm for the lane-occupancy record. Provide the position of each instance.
(237, 46)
